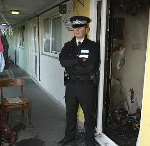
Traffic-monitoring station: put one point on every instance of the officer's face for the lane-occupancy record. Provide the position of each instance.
(80, 32)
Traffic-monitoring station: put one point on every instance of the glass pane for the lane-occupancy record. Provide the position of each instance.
(35, 46)
(22, 31)
(56, 34)
(46, 35)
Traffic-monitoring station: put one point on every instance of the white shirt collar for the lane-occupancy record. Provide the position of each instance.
(81, 40)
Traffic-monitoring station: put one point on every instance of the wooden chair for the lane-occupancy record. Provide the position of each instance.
(7, 135)
(20, 103)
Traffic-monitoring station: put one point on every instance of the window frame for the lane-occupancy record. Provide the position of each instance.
(22, 36)
(50, 17)
(51, 49)
(43, 36)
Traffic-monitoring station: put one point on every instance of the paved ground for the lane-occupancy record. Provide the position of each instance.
(48, 116)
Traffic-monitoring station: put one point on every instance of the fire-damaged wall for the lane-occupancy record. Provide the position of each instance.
(143, 139)
(128, 43)
(135, 41)
(128, 59)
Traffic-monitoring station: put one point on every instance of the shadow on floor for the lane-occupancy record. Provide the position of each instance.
(47, 117)
(31, 142)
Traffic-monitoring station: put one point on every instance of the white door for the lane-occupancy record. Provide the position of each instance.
(101, 10)
(35, 50)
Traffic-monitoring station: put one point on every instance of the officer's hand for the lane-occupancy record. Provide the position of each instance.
(84, 59)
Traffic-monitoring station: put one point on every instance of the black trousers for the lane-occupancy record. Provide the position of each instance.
(85, 94)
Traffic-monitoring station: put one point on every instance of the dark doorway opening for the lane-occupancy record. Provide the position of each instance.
(126, 39)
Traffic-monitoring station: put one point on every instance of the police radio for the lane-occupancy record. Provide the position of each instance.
(66, 77)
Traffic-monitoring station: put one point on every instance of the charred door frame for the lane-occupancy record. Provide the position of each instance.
(104, 71)
(107, 66)
(104, 98)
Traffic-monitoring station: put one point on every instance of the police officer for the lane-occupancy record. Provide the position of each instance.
(80, 58)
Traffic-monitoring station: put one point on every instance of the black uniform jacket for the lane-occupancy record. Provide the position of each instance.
(74, 65)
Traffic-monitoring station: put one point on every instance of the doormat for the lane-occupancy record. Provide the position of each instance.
(31, 142)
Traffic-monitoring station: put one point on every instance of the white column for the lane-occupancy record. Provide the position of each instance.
(102, 52)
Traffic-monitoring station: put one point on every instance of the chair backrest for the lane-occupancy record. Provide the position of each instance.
(11, 83)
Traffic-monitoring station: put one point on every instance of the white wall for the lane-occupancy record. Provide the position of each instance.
(13, 43)
(51, 72)
(21, 51)
(52, 77)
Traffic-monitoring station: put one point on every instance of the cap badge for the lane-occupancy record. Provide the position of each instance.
(79, 22)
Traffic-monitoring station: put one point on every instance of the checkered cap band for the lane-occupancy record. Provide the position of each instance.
(79, 22)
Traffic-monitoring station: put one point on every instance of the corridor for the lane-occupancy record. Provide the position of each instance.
(32, 35)
(47, 115)
(47, 118)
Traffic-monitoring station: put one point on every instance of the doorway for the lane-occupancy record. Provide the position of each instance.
(125, 53)
(35, 50)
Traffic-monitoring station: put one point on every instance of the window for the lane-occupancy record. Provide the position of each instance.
(22, 33)
(52, 40)
(35, 33)
(56, 34)
(46, 38)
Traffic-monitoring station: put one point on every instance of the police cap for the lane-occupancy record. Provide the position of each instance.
(79, 21)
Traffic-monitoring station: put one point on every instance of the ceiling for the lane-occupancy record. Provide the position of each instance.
(28, 9)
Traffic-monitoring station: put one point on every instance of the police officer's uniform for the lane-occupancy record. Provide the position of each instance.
(80, 80)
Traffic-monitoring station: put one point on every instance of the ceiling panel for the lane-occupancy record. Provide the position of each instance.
(28, 9)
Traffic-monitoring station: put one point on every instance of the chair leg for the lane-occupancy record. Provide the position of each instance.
(29, 117)
(26, 114)
(23, 115)
(0, 141)
(7, 117)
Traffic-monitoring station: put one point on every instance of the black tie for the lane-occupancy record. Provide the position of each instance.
(79, 43)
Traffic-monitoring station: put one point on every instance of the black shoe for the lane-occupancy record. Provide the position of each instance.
(66, 140)
(91, 142)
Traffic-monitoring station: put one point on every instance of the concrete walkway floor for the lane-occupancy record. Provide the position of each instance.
(47, 118)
